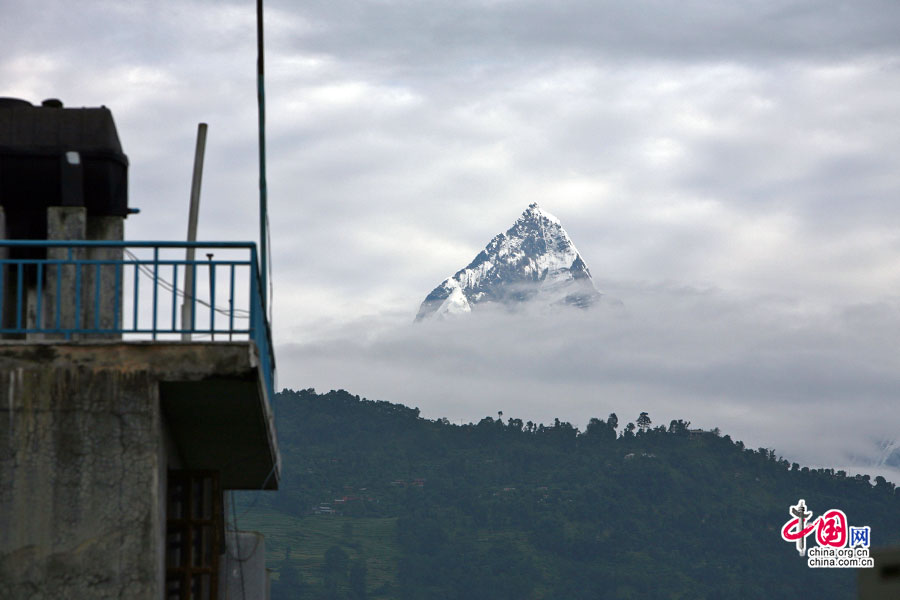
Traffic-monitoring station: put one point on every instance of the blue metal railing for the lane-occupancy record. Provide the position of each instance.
(109, 289)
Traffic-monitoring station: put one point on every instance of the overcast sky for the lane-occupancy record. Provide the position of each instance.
(729, 170)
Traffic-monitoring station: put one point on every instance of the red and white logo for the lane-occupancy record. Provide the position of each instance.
(839, 545)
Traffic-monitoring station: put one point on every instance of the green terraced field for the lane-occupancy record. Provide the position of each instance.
(373, 540)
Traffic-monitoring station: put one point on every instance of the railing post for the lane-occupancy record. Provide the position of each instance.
(38, 313)
(77, 322)
(155, 287)
(20, 284)
(254, 293)
(117, 300)
(174, 297)
(193, 299)
(231, 304)
(212, 298)
(98, 296)
(136, 298)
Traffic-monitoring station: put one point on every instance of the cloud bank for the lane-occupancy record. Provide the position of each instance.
(818, 386)
(729, 170)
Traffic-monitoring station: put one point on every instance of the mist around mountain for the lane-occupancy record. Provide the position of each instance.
(378, 502)
(533, 261)
(818, 384)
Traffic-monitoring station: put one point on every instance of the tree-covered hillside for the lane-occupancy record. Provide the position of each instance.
(377, 502)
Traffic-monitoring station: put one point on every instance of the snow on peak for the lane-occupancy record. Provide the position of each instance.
(534, 211)
(535, 258)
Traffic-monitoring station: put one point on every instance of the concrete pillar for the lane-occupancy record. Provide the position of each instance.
(64, 223)
(59, 284)
(101, 229)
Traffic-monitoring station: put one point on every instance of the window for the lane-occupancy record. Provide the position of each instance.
(194, 535)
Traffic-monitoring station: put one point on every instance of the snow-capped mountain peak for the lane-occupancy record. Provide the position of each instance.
(533, 260)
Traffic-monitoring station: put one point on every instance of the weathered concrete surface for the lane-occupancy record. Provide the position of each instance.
(79, 510)
(101, 228)
(245, 565)
(63, 223)
(83, 457)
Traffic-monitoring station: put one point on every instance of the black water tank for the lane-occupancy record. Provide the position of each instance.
(56, 156)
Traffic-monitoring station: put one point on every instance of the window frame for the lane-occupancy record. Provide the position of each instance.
(189, 523)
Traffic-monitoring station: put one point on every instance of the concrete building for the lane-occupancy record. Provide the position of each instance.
(118, 440)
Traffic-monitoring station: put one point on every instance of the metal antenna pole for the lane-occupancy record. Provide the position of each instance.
(263, 209)
(187, 305)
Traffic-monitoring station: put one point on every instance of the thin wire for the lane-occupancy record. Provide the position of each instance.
(169, 287)
(239, 313)
(257, 495)
(250, 555)
(239, 558)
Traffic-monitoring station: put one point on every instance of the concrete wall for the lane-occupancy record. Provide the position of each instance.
(245, 566)
(85, 441)
(80, 460)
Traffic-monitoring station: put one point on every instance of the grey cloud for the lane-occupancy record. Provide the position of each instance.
(745, 153)
(761, 370)
(476, 35)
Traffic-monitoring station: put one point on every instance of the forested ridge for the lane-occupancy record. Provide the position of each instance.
(377, 502)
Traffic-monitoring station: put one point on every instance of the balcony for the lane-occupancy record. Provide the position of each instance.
(134, 291)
